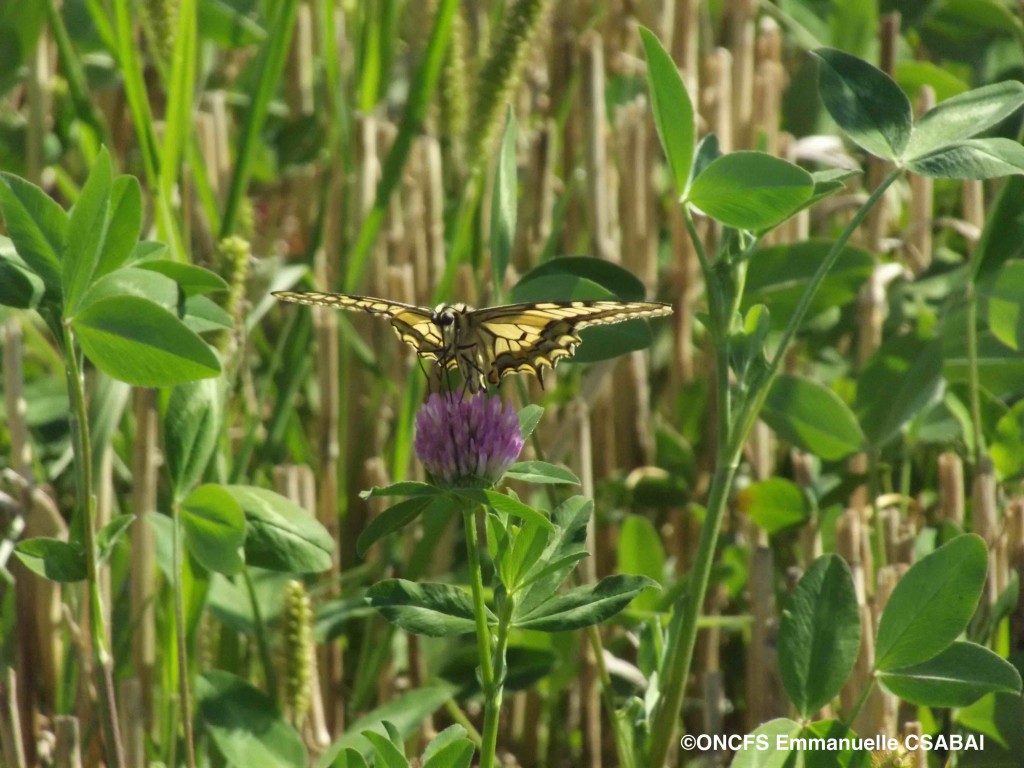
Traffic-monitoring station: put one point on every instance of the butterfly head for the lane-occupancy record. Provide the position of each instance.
(444, 314)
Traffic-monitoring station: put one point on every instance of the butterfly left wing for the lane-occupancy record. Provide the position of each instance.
(530, 337)
(413, 325)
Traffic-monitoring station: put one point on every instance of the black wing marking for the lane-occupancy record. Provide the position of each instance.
(413, 325)
(530, 337)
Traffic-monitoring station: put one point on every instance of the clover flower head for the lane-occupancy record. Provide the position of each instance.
(467, 441)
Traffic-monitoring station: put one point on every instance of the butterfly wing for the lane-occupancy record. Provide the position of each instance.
(530, 337)
(413, 325)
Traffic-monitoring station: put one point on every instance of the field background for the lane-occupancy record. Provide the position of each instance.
(338, 145)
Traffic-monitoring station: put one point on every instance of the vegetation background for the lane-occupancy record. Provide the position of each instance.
(354, 146)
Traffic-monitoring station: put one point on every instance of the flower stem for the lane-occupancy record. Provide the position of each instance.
(483, 640)
(732, 435)
(179, 625)
(97, 623)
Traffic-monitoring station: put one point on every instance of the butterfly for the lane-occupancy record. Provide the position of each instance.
(487, 344)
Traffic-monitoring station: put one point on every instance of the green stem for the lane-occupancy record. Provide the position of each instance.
(492, 706)
(731, 439)
(103, 660)
(179, 625)
(483, 640)
(859, 704)
(261, 636)
(972, 368)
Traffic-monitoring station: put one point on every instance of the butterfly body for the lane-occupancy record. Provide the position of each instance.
(487, 344)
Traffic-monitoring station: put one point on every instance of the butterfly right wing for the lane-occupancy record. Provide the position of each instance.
(413, 325)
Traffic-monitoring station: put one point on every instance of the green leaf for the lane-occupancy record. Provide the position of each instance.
(972, 159)
(244, 723)
(1007, 446)
(503, 205)
(564, 550)
(191, 279)
(458, 754)
(528, 545)
(584, 606)
(932, 603)
(529, 418)
(774, 504)
(912, 74)
(53, 559)
(130, 281)
(778, 276)
(901, 378)
(87, 233)
(110, 534)
(404, 488)
(965, 116)
(751, 190)
(508, 505)
(124, 225)
(214, 528)
(1002, 238)
(819, 635)
(138, 342)
(673, 111)
(406, 713)
(641, 554)
(450, 735)
(386, 754)
(349, 758)
(392, 519)
(831, 732)
(1004, 304)
(767, 736)
(20, 287)
(227, 26)
(541, 472)
(435, 610)
(37, 226)
(191, 430)
(280, 535)
(865, 102)
(812, 417)
(203, 315)
(956, 677)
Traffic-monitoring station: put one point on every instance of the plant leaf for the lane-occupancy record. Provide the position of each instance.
(972, 159)
(280, 535)
(901, 378)
(819, 635)
(812, 417)
(503, 204)
(673, 111)
(956, 677)
(191, 430)
(774, 504)
(37, 226)
(964, 116)
(87, 232)
(865, 102)
(586, 605)
(214, 528)
(245, 724)
(932, 603)
(541, 472)
(435, 610)
(392, 519)
(53, 559)
(138, 342)
(751, 190)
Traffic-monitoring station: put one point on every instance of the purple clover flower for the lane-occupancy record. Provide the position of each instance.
(467, 441)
